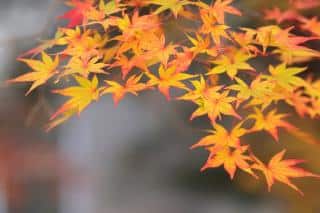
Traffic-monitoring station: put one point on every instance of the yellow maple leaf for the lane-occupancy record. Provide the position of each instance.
(270, 122)
(286, 77)
(174, 5)
(80, 96)
(222, 137)
(84, 66)
(200, 44)
(215, 104)
(200, 87)
(231, 63)
(258, 90)
(42, 71)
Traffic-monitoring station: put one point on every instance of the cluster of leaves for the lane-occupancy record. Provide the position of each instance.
(119, 47)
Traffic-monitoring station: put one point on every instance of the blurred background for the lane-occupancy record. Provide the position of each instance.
(134, 158)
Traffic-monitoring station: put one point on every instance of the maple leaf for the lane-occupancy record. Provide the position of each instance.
(149, 41)
(222, 137)
(312, 25)
(220, 8)
(287, 39)
(137, 3)
(269, 122)
(73, 36)
(164, 52)
(215, 104)
(168, 77)
(61, 119)
(286, 44)
(282, 170)
(111, 7)
(258, 89)
(200, 87)
(42, 71)
(86, 44)
(80, 96)
(159, 51)
(94, 15)
(84, 66)
(298, 55)
(76, 15)
(174, 5)
(211, 26)
(315, 108)
(304, 4)
(182, 60)
(145, 22)
(46, 44)
(246, 40)
(128, 64)
(132, 86)
(313, 88)
(289, 48)
(281, 16)
(200, 44)
(286, 76)
(137, 25)
(265, 36)
(231, 64)
(217, 32)
(210, 100)
(229, 159)
(299, 101)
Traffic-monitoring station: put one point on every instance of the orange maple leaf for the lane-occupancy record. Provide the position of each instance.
(220, 8)
(182, 60)
(128, 64)
(163, 52)
(270, 122)
(304, 4)
(230, 159)
(312, 25)
(281, 16)
(132, 86)
(168, 77)
(282, 170)
(62, 118)
(137, 25)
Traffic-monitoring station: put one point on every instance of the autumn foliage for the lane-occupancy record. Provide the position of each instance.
(121, 47)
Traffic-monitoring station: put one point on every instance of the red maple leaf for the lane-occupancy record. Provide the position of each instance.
(76, 15)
